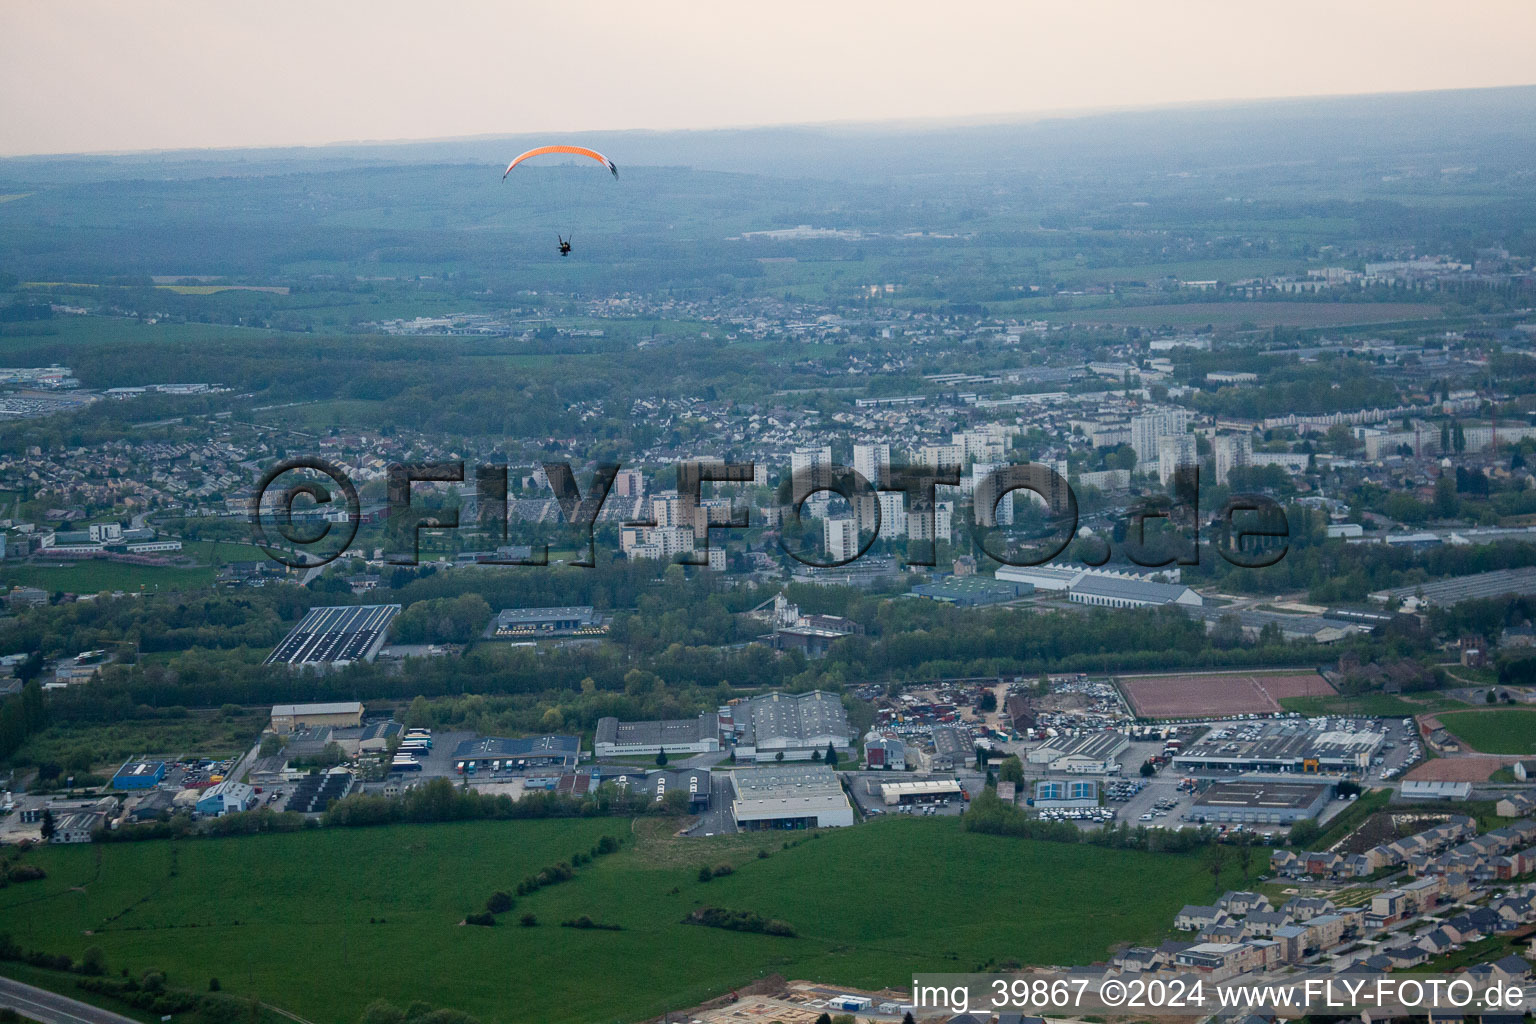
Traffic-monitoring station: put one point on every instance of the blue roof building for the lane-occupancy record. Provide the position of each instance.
(139, 775)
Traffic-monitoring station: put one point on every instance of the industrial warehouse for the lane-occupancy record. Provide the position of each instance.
(498, 754)
(1280, 746)
(286, 718)
(788, 797)
(699, 735)
(788, 726)
(1262, 803)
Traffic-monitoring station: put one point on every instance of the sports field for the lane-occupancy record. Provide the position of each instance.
(1219, 693)
(321, 923)
(1496, 730)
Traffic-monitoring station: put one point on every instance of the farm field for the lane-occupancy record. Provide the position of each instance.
(1218, 694)
(1495, 731)
(323, 922)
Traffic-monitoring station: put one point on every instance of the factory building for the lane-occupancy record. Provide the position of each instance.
(789, 726)
(788, 797)
(676, 736)
(1262, 803)
(1087, 753)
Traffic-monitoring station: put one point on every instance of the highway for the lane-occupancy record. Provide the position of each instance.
(51, 1008)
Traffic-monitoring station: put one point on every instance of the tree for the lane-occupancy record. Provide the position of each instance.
(1447, 504)
(1305, 832)
(1012, 770)
(93, 961)
(1491, 698)
(49, 828)
(1215, 861)
(381, 1012)
(661, 757)
(1147, 770)
(831, 755)
(1245, 852)
(499, 902)
(213, 985)
(705, 874)
(528, 920)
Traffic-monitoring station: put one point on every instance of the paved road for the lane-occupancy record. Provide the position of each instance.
(51, 1008)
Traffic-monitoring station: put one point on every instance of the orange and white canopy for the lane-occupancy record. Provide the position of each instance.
(571, 150)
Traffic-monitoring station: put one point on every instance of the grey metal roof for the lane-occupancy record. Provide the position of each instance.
(776, 719)
(1129, 590)
(675, 731)
(1465, 588)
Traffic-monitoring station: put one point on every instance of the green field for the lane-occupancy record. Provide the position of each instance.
(92, 576)
(1375, 705)
(287, 917)
(1495, 731)
(103, 746)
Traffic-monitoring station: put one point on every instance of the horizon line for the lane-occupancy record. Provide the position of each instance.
(916, 124)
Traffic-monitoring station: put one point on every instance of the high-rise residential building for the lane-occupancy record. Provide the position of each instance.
(943, 523)
(942, 456)
(984, 444)
(808, 460)
(872, 461)
(1232, 451)
(630, 483)
(893, 514)
(1173, 452)
(842, 538)
(992, 508)
(1149, 427)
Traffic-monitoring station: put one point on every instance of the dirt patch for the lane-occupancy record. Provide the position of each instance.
(1218, 694)
(1383, 827)
(1471, 768)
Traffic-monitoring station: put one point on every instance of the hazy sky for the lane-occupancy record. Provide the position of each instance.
(111, 75)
